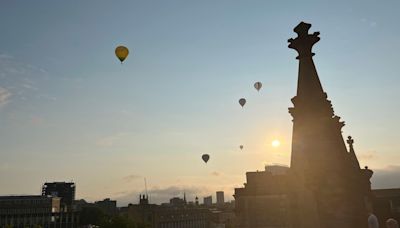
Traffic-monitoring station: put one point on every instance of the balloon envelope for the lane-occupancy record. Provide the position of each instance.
(242, 101)
(205, 157)
(121, 52)
(258, 86)
(241, 147)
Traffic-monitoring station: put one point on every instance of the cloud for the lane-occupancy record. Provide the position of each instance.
(370, 22)
(36, 120)
(112, 140)
(5, 96)
(160, 195)
(5, 56)
(367, 156)
(387, 177)
(132, 177)
(215, 173)
(23, 80)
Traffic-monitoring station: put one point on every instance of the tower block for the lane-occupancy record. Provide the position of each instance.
(329, 188)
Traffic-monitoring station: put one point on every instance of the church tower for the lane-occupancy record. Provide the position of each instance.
(329, 188)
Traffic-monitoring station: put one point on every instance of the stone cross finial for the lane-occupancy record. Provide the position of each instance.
(304, 42)
(350, 141)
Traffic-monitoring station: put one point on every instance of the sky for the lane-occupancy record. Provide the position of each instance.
(69, 111)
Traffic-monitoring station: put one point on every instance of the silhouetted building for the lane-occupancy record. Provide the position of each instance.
(142, 212)
(264, 201)
(207, 201)
(22, 211)
(324, 186)
(386, 204)
(64, 190)
(173, 217)
(107, 206)
(143, 199)
(222, 218)
(176, 201)
(220, 198)
(277, 169)
(35, 210)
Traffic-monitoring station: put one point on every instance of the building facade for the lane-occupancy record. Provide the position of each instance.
(263, 202)
(182, 217)
(63, 190)
(386, 204)
(31, 211)
(220, 198)
(207, 201)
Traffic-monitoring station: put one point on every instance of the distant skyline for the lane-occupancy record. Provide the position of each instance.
(70, 111)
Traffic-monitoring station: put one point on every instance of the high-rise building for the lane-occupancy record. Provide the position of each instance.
(207, 201)
(220, 198)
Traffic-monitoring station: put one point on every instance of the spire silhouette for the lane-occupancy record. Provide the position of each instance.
(329, 188)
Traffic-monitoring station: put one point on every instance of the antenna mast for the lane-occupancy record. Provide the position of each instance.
(145, 186)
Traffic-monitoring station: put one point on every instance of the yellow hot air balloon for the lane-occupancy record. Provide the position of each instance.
(121, 52)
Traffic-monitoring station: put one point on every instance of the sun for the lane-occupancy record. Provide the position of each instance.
(276, 143)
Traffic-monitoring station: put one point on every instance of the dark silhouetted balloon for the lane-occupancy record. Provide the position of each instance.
(121, 52)
(205, 157)
(241, 147)
(242, 101)
(258, 86)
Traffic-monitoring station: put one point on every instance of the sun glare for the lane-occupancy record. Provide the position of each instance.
(276, 143)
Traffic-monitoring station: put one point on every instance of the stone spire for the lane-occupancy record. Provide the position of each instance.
(314, 120)
(328, 190)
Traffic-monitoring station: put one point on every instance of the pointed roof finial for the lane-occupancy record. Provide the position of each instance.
(350, 141)
(304, 42)
(353, 155)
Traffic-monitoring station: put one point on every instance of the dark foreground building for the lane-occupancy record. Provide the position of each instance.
(63, 190)
(386, 204)
(23, 211)
(181, 217)
(34, 211)
(263, 202)
(324, 187)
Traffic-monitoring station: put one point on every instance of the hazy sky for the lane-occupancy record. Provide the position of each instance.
(70, 111)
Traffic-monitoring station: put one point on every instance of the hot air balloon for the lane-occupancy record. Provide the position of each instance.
(205, 157)
(121, 52)
(258, 86)
(241, 147)
(242, 101)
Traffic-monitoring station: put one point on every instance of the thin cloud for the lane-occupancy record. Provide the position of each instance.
(132, 177)
(5, 96)
(367, 156)
(215, 173)
(23, 80)
(112, 140)
(5, 56)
